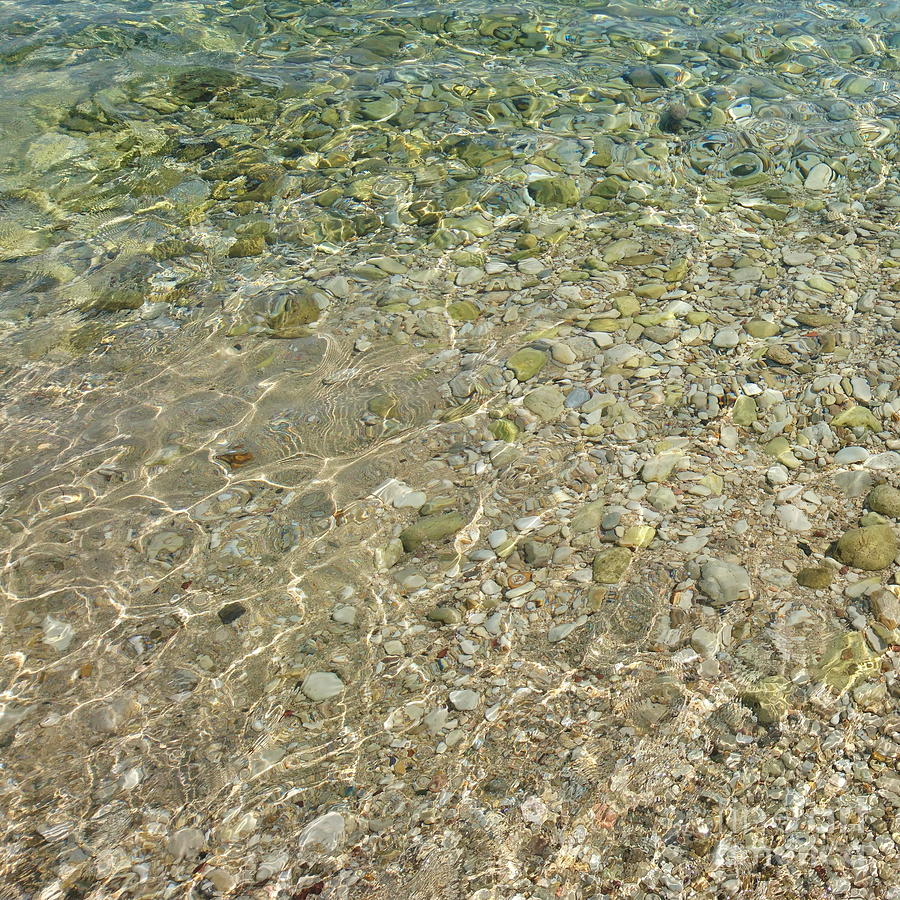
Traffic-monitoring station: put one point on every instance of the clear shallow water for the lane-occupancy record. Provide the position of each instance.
(231, 235)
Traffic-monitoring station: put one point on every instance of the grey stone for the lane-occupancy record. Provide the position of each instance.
(186, 843)
(560, 632)
(464, 700)
(725, 582)
(536, 553)
(588, 517)
(577, 397)
(545, 402)
(319, 686)
(326, 833)
(853, 484)
(430, 528)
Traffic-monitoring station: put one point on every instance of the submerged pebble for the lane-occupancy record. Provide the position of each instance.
(450, 450)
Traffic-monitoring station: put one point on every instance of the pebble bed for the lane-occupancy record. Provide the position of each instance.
(449, 452)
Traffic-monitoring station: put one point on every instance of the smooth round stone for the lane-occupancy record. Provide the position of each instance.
(528, 523)
(555, 191)
(792, 518)
(410, 500)
(884, 499)
(576, 398)
(325, 833)
(412, 581)
(820, 176)
(344, 615)
(761, 328)
(704, 641)
(610, 566)
(446, 615)
(726, 338)
(777, 475)
(563, 353)
(319, 686)
(887, 461)
(546, 402)
(847, 456)
(561, 632)
(871, 548)
(497, 538)
(464, 700)
(729, 437)
(725, 582)
(527, 362)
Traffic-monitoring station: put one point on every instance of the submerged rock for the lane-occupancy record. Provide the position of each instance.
(431, 528)
(556, 191)
(725, 582)
(884, 499)
(872, 547)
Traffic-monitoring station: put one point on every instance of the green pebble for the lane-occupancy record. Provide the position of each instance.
(557, 191)
(627, 305)
(638, 536)
(446, 615)
(527, 362)
(815, 577)
(587, 518)
(677, 271)
(431, 528)
(463, 311)
(884, 499)
(744, 411)
(871, 548)
(610, 565)
(546, 402)
(247, 246)
(438, 504)
(503, 430)
(382, 405)
(814, 320)
(607, 325)
(846, 661)
(768, 698)
(760, 328)
(856, 417)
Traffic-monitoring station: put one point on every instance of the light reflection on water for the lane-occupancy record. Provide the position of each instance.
(205, 374)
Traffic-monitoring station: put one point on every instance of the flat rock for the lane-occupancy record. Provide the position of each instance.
(545, 402)
(725, 582)
(815, 577)
(853, 484)
(464, 700)
(527, 362)
(793, 518)
(430, 528)
(885, 605)
(560, 190)
(319, 686)
(610, 565)
(326, 833)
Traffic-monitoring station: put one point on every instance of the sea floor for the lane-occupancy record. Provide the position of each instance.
(449, 452)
